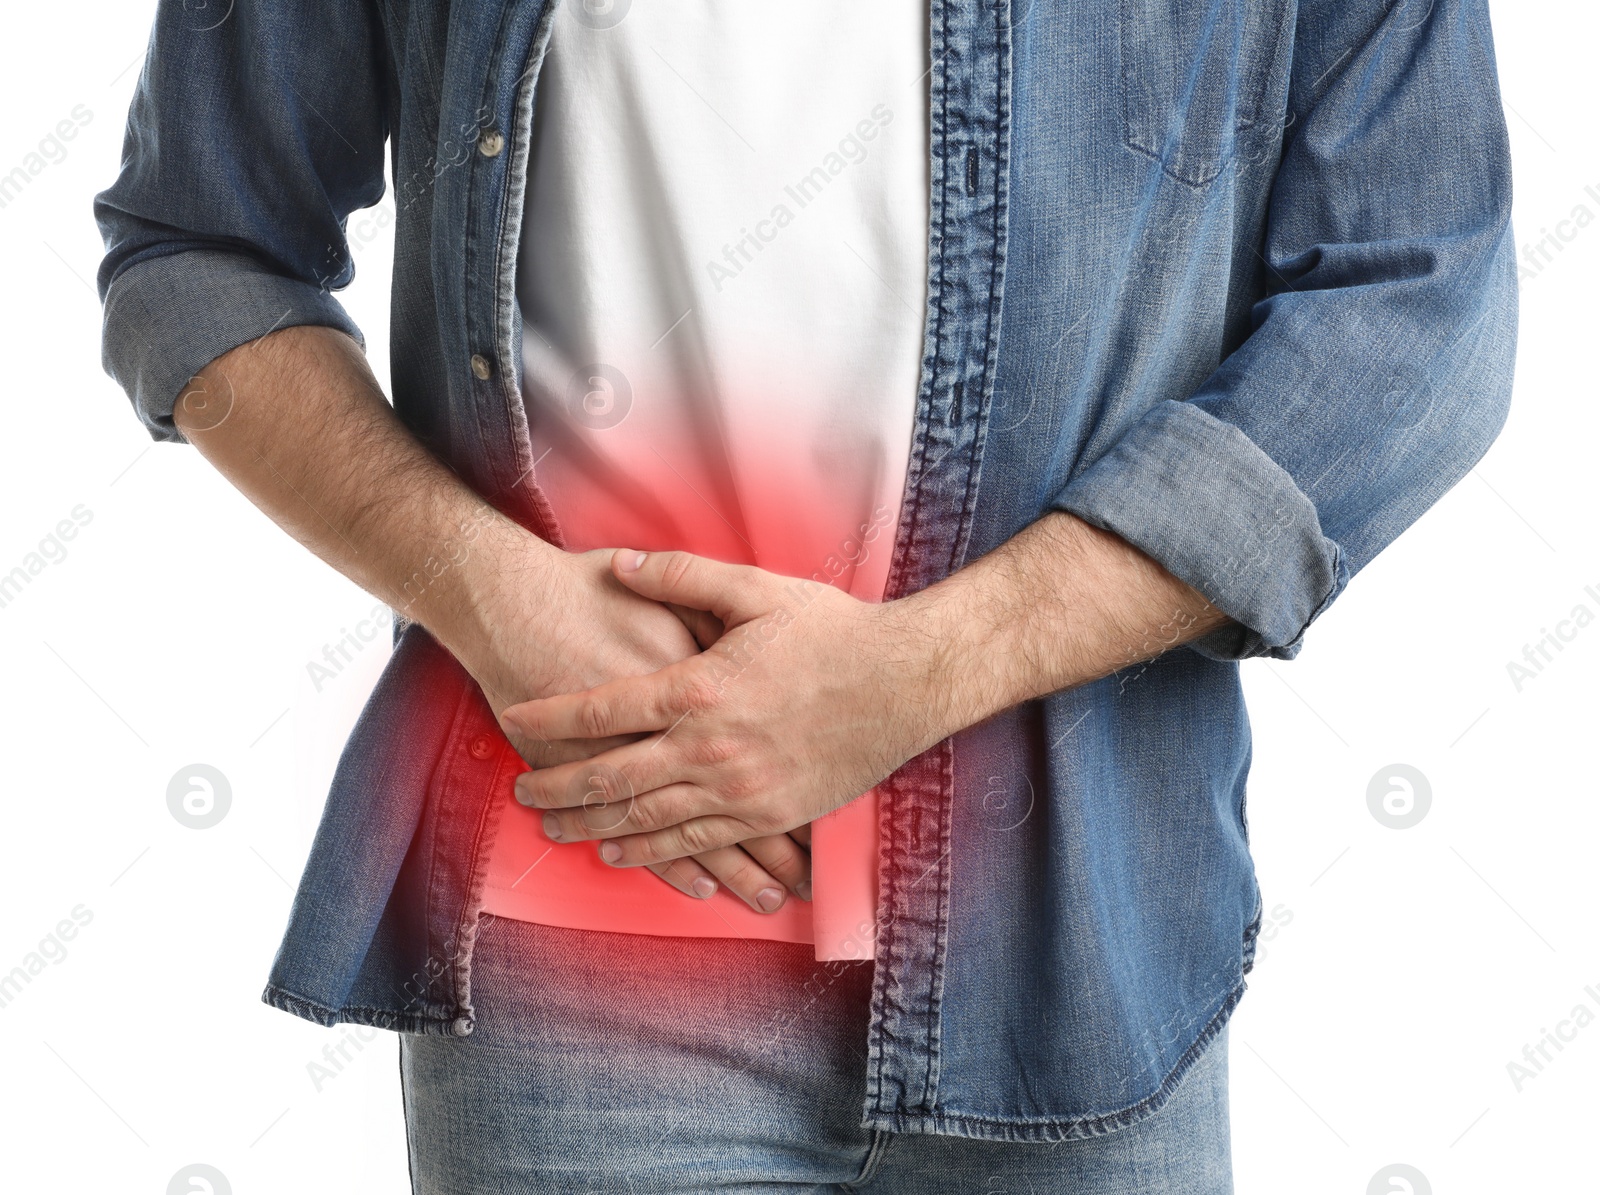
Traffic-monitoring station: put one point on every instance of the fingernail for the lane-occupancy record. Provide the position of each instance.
(703, 888)
(769, 899)
(552, 827)
(803, 889)
(633, 563)
(610, 852)
(523, 794)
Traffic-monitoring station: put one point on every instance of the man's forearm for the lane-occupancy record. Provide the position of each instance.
(1060, 604)
(298, 423)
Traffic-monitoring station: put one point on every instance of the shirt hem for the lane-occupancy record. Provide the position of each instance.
(431, 1023)
(1053, 1129)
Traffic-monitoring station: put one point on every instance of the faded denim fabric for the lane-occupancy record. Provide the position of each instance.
(609, 1062)
(1231, 278)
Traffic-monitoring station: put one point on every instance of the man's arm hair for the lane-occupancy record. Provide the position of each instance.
(1060, 604)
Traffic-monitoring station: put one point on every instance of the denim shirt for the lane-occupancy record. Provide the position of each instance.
(1233, 279)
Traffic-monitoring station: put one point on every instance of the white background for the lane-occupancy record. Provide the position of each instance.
(1405, 970)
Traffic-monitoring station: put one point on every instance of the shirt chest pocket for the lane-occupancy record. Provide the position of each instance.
(1194, 76)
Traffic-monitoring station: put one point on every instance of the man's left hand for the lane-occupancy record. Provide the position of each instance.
(807, 697)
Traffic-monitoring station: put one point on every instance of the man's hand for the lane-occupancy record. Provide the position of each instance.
(577, 629)
(297, 422)
(804, 703)
(811, 697)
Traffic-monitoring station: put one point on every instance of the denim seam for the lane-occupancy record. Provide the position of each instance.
(1057, 1129)
(931, 1024)
(945, 794)
(994, 306)
(1252, 932)
(474, 195)
(939, 296)
(1340, 579)
(1244, 122)
(438, 785)
(524, 488)
(494, 811)
(383, 1018)
(879, 1148)
(900, 569)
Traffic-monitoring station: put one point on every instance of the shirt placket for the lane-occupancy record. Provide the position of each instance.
(969, 133)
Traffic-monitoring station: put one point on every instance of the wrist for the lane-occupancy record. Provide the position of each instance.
(1002, 630)
(463, 590)
(947, 658)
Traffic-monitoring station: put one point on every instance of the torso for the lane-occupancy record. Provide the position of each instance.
(722, 278)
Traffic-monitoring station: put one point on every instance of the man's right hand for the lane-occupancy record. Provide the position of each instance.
(576, 627)
(296, 421)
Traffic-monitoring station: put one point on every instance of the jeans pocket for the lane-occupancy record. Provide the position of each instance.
(1194, 75)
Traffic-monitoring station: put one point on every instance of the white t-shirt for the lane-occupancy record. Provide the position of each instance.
(722, 276)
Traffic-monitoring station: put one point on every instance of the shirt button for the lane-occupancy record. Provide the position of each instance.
(482, 747)
(480, 367)
(491, 143)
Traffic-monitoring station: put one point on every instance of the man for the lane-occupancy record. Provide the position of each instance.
(690, 503)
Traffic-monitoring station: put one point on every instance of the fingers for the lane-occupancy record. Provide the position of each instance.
(688, 877)
(706, 627)
(784, 859)
(612, 778)
(730, 591)
(633, 705)
(742, 873)
(802, 834)
(646, 813)
(549, 754)
(745, 876)
(693, 837)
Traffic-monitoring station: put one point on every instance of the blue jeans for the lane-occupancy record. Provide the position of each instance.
(609, 1062)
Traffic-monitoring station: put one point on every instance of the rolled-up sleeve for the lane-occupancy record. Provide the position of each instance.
(249, 142)
(1378, 368)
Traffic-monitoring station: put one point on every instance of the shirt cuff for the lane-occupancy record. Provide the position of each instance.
(167, 318)
(1199, 496)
